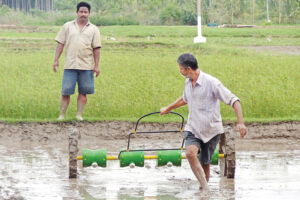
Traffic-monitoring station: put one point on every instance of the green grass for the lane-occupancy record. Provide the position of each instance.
(139, 76)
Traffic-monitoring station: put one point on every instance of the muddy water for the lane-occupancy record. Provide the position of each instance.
(268, 175)
(42, 173)
(34, 165)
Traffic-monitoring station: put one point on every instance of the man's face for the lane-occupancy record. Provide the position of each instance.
(185, 72)
(83, 13)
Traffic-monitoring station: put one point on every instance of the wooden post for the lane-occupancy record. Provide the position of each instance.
(230, 154)
(227, 147)
(74, 136)
(222, 161)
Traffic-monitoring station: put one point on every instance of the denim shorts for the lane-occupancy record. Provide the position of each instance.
(84, 78)
(206, 150)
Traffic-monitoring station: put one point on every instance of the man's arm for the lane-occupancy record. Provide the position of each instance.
(96, 53)
(240, 123)
(178, 103)
(59, 50)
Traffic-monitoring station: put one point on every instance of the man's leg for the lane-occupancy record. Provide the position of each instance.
(206, 153)
(85, 86)
(64, 103)
(68, 88)
(192, 156)
(206, 168)
(81, 101)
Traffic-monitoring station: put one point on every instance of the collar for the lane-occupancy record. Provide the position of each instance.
(87, 24)
(199, 79)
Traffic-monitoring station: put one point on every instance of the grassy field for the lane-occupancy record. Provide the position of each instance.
(139, 73)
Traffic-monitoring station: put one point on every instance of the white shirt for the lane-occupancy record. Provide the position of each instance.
(204, 119)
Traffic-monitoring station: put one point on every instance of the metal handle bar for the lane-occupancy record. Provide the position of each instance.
(128, 144)
(147, 132)
(146, 115)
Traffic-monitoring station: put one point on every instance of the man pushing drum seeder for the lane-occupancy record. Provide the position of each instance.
(201, 133)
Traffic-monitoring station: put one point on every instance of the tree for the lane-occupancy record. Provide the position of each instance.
(171, 14)
(26, 5)
(147, 11)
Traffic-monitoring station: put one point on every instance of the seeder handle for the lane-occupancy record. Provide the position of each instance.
(146, 115)
(146, 132)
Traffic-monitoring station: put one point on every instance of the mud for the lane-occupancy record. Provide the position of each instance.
(34, 163)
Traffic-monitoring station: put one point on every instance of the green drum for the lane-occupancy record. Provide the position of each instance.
(91, 156)
(173, 156)
(215, 157)
(135, 157)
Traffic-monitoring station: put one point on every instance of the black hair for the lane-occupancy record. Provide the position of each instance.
(188, 60)
(83, 4)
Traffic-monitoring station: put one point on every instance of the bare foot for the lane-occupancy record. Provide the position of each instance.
(203, 188)
(79, 118)
(61, 117)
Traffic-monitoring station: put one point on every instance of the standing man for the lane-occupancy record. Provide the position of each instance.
(202, 93)
(82, 42)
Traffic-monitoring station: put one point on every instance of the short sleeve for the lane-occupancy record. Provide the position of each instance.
(224, 94)
(96, 43)
(61, 36)
(184, 97)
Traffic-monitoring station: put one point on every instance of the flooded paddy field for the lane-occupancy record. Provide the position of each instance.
(34, 164)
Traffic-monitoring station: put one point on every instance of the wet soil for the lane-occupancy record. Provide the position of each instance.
(34, 163)
(118, 130)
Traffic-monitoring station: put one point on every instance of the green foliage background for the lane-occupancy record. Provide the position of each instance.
(160, 12)
(139, 73)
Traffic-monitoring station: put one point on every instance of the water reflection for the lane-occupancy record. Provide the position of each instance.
(268, 174)
(42, 173)
(151, 182)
